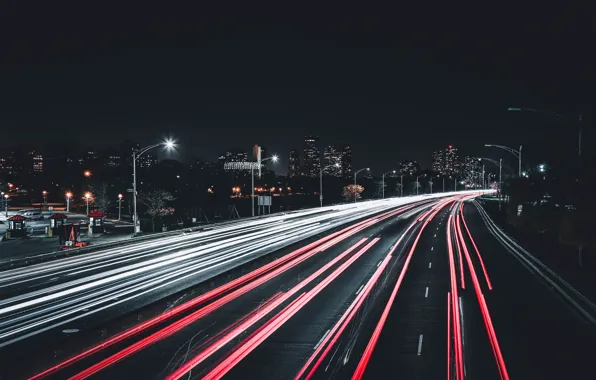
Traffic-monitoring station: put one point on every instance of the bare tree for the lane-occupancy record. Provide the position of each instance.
(352, 192)
(156, 202)
(101, 197)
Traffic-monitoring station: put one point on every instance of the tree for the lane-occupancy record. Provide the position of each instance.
(156, 202)
(101, 197)
(352, 192)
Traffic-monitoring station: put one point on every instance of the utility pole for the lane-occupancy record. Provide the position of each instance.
(443, 184)
(401, 188)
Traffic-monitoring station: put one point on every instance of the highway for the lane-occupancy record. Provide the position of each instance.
(416, 288)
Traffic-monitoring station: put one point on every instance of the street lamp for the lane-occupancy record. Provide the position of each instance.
(273, 158)
(68, 196)
(6, 205)
(119, 206)
(87, 197)
(169, 145)
(383, 179)
(87, 173)
(417, 183)
(336, 165)
(516, 153)
(499, 164)
(45, 197)
(355, 174)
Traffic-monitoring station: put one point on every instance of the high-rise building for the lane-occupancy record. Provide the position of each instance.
(294, 164)
(332, 161)
(346, 161)
(409, 167)
(472, 171)
(312, 156)
(446, 161)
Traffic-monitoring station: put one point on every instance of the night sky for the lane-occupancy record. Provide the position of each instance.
(395, 83)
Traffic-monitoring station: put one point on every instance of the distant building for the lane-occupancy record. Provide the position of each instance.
(332, 161)
(346, 161)
(472, 171)
(294, 164)
(147, 160)
(233, 156)
(111, 158)
(446, 162)
(409, 167)
(312, 156)
(37, 161)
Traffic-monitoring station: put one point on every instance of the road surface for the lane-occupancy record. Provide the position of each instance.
(425, 290)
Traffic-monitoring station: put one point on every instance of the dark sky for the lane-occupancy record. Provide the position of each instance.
(395, 83)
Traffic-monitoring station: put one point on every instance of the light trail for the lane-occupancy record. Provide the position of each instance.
(484, 308)
(458, 349)
(359, 372)
(274, 324)
(461, 210)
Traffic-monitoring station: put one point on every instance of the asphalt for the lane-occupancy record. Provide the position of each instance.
(539, 334)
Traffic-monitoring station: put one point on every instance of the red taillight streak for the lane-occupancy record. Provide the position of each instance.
(330, 240)
(210, 308)
(461, 265)
(273, 324)
(343, 322)
(454, 298)
(448, 336)
(485, 313)
(359, 372)
(490, 286)
(196, 315)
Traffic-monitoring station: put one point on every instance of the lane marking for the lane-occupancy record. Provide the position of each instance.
(435, 235)
(359, 289)
(420, 345)
(426, 293)
(430, 264)
(323, 337)
(432, 248)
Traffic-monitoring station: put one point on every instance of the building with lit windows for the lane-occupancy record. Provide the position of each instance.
(409, 167)
(294, 164)
(346, 161)
(446, 162)
(332, 161)
(312, 156)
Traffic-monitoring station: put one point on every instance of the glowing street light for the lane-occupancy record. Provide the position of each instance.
(169, 144)
(87, 197)
(355, 174)
(119, 206)
(87, 173)
(336, 165)
(68, 197)
(45, 196)
(273, 158)
(383, 176)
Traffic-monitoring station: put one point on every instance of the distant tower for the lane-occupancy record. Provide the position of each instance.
(332, 160)
(312, 156)
(294, 164)
(346, 161)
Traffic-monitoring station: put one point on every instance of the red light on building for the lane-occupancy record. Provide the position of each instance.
(450, 146)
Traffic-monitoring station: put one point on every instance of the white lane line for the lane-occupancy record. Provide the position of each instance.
(432, 248)
(435, 235)
(359, 289)
(379, 263)
(420, 345)
(426, 293)
(321, 340)
(430, 264)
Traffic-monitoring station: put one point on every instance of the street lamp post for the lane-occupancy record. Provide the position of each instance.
(68, 196)
(119, 206)
(401, 185)
(355, 174)
(169, 144)
(45, 197)
(417, 183)
(443, 184)
(516, 153)
(321, 181)
(6, 205)
(87, 197)
(384, 174)
(499, 164)
(431, 184)
(252, 172)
